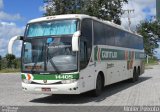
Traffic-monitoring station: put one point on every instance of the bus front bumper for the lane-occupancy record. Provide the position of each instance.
(71, 88)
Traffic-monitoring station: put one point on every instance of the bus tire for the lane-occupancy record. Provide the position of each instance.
(134, 79)
(138, 73)
(99, 86)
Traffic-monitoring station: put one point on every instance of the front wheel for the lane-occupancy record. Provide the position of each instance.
(99, 86)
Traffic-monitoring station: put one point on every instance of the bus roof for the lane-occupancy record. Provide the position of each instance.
(65, 16)
(79, 16)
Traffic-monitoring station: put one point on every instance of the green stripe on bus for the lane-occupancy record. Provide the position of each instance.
(53, 76)
(23, 76)
(113, 54)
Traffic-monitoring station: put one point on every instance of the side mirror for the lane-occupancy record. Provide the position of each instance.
(11, 42)
(21, 38)
(75, 41)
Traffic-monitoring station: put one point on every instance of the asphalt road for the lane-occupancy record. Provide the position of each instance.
(144, 92)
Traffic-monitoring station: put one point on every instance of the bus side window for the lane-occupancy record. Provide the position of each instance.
(86, 38)
(28, 52)
(83, 55)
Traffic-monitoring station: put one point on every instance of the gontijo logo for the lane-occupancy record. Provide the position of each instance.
(109, 54)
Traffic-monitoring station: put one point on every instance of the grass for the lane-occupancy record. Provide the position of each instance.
(9, 70)
(150, 63)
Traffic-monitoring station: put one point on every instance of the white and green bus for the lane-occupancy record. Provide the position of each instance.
(73, 54)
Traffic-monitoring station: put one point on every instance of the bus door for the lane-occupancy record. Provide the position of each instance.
(87, 67)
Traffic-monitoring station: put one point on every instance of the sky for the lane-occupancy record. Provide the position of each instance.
(143, 9)
(14, 15)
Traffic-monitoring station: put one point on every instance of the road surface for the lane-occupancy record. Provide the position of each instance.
(144, 92)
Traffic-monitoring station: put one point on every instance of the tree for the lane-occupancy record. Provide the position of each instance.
(16, 63)
(57, 7)
(150, 30)
(4, 61)
(110, 10)
(10, 60)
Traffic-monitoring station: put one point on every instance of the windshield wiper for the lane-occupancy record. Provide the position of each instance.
(54, 66)
(52, 63)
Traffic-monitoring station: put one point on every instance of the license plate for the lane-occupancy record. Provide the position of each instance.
(46, 89)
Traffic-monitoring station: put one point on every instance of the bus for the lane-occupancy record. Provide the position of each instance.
(76, 53)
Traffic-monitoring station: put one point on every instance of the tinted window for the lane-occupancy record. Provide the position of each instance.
(83, 55)
(99, 33)
(109, 35)
(103, 34)
(86, 42)
(118, 38)
(127, 40)
(86, 29)
(130, 40)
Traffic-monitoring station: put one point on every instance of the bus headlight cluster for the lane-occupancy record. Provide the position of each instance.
(68, 81)
(27, 81)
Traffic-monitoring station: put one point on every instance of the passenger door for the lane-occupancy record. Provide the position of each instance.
(87, 68)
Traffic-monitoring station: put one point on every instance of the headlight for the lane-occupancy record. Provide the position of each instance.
(26, 81)
(68, 81)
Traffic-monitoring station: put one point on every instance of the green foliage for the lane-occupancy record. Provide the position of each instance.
(110, 10)
(151, 61)
(57, 7)
(151, 33)
(9, 63)
(103, 9)
(10, 60)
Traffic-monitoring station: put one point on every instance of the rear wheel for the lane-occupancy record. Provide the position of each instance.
(138, 73)
(134, 79)
(99, 86)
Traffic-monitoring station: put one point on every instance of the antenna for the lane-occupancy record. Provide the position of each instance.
(129, 19)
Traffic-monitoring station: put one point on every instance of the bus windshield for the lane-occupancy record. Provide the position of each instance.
(48, 55)
(56, 27)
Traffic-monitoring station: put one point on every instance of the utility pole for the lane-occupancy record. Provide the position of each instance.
(147, 59)
(129, 18)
